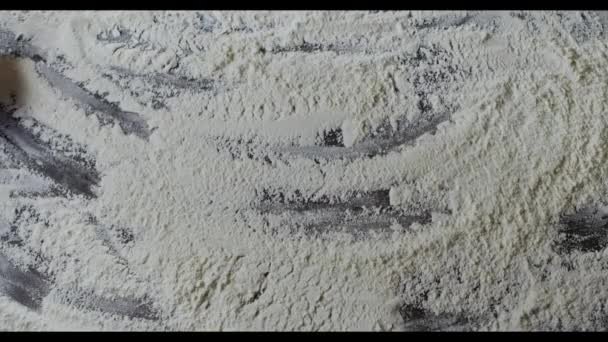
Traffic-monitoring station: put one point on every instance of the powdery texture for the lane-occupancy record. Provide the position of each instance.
(520, 142)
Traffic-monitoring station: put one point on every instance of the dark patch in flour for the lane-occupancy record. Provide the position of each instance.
(586, 230)
(27, 287)
(141, 308)
(26, 149)
(356, 213)
(416, 318)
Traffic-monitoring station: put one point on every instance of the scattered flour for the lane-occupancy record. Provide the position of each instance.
(525, 142)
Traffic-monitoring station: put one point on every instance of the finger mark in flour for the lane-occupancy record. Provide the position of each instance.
(360, 222)
(357, 212)
(107, 112)
(26, 287)
(585, 230)
(384, 140)
(158, 87)
(417, 318)
(307, 47)
(141, 308)
(26, 149)
(277, 201)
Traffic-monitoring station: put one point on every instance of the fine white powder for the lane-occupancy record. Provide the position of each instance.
(523, 144)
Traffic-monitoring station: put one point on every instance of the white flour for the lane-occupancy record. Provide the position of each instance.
(525, 143)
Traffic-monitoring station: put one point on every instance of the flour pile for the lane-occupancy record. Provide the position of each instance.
(303, 171)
